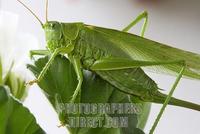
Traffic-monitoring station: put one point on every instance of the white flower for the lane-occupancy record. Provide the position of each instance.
(14, 46)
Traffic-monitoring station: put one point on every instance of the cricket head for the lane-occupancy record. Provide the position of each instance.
(53, 34)
(61, 34)
(53, 31)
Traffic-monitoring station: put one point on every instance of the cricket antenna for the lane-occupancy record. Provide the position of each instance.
(46, 10)
(31, 12)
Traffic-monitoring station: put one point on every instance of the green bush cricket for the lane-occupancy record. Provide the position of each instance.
(117, 56)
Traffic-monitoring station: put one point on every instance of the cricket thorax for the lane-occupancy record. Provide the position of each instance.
(88, 53)
(54, 44)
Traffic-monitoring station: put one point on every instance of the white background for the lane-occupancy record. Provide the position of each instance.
(174, 22)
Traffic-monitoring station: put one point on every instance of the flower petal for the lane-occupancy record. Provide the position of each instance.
(14, 46)
(8, 29)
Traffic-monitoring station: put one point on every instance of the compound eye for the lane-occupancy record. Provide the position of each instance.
(52, 25)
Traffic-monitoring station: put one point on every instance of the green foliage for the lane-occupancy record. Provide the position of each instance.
(60, 79)
(60, 82)
(143, 117)
(14, 117)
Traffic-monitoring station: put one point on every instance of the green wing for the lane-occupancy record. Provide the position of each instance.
(140, 48)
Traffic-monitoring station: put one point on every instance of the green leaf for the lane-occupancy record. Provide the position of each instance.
(100, 131)
(60, 80)
(92, 93)
(59, 84)
(95, 90)
(14, 117)
(143, 117)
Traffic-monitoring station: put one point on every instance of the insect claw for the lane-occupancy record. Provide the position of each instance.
(161, 89)
(61, 125)
(32, 82)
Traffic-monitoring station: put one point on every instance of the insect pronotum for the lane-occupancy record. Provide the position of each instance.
(116, 56)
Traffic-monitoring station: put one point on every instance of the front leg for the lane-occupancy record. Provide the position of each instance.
(44, 70)
(77, 66)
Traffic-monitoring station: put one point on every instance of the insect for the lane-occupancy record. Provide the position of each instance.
(117, 57)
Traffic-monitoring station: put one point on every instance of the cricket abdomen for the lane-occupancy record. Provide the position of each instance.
(132, 81)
